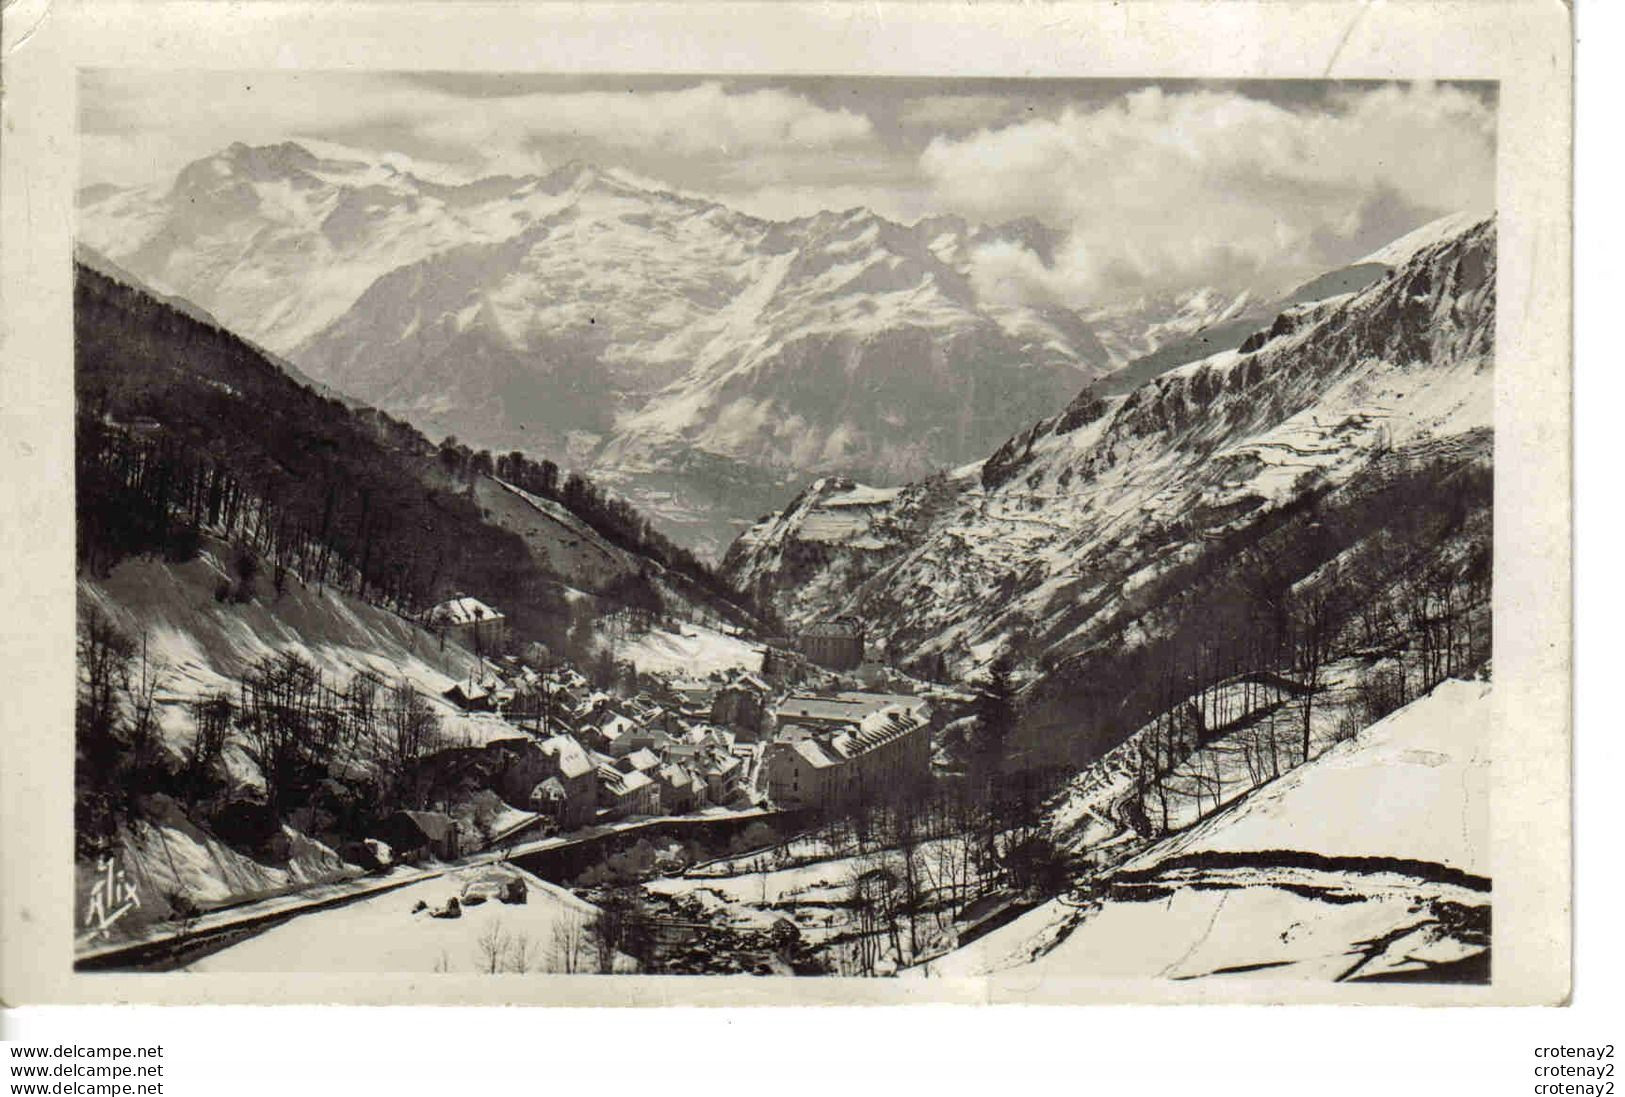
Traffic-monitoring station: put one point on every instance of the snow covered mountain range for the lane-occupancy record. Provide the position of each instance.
(1059, 540)
(704, 361)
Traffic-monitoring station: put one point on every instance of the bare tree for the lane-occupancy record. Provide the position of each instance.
(104, 655)
(1315, 629)
(571, 951)
(212, 716)
(410, 730)
(148, 679)
(866, 915)
(621, 927)
(279, 702)
(521, 954)
(911, 865)
(492, 948)
(362, 716)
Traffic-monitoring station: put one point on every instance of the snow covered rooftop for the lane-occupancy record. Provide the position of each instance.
(434, 825)
(814, 754)
(572, 757)
(823, 708)
(462, 611)
(641, 760)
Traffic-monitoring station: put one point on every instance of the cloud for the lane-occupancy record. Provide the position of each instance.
(958, 112)
(143, 127)
(1158, 190)
(1150, 189)
(706, 119)
(193, 115)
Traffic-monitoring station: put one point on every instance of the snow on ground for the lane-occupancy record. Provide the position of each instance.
(202, 645)
(812, 894)
(1400, 251)
(169, 860)
(1087, 814)
(1413, 785)
(1289, 884)
(694, 650)
(825, 881)
(1266, 931)
(801, 849)
(384, 934)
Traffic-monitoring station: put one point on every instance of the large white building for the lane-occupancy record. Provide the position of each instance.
(470, 622)
(833, 750)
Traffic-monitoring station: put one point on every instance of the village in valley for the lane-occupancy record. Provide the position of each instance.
(763, 757)
(624, 810)
(673, 744)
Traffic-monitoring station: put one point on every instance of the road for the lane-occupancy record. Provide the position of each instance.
(166, 946)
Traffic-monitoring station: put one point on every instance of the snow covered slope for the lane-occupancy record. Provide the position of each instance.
(1371, 862)
(279, 242)
(203, 645)
(1195, 324)
(1403, 249)
(1058, 538)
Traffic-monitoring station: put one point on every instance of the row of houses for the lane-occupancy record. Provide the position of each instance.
(684, 743)
(823, 751)
(604, 757)
(576, 786)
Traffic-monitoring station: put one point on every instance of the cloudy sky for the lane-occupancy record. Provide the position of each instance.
(1153, 185)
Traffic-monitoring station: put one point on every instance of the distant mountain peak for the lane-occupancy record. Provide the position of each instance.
(280, 158)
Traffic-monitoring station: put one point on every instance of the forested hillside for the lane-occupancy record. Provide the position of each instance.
(183, 427)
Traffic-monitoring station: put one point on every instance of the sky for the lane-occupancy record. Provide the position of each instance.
(1150, 185)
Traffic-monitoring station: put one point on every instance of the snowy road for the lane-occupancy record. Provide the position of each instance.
(163, 947)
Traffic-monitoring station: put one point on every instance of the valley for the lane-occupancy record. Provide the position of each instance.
(1038, 644)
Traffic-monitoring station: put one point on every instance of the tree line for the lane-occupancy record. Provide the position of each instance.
(1389, 577)
(611, 516)
(184, 428)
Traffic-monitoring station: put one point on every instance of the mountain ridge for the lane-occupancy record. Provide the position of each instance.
(701, 360)
(680, 349)
(1072, 539)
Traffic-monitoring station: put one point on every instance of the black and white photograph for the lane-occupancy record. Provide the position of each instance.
(784, 526)
(801, 505)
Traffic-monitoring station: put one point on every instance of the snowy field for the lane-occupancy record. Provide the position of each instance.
(387, 933)
(1413, 785)
(693, 651)
(1089, 813)
(1367, 862)
(199, 645)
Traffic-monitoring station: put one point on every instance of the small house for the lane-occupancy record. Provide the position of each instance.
(639, 761)
(469, 696)
(422, 833)
(680, 790)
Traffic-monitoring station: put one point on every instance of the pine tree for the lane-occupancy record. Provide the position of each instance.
(990, 744)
